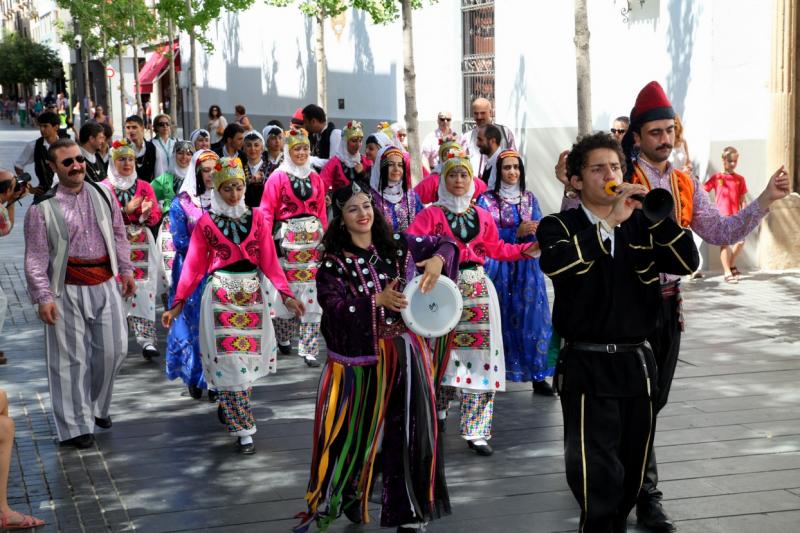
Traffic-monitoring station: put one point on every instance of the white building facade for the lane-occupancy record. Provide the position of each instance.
(711, 56)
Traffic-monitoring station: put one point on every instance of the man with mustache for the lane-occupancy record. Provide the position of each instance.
(652, 131)
(75, 246)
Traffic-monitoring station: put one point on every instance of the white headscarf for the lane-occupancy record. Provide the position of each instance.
(265, 133)
(220, 207)
(123, 183)
(349, 160)
(174, 169)
(197, 134)
(455, 204)
(393, 192)
(511, 194)
(189, 186)
(289, 167)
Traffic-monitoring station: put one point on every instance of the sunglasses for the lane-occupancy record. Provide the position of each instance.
(615, 131)
(70, 160)
(162, 124)
(443, 119)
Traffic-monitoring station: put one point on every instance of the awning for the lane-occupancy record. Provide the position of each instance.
(155, 65)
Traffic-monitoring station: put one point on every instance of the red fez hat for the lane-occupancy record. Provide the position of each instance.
(297, 118)
(651, 104)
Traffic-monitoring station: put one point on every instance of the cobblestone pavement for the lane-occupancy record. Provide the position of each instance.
(728, 443)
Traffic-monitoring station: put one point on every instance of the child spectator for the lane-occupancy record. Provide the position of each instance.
(729, 193)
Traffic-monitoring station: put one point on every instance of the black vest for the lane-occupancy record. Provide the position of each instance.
(43, 171)
(146, 163)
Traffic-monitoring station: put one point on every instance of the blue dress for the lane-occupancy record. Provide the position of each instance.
(401, 214)
(183, 340)
(521, 290)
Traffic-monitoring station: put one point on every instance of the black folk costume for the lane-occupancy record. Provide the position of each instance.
(607, 299)
(376, 392)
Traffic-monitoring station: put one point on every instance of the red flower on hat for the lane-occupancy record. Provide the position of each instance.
(116, 144)
(350, 125)
(293, 132)
(218, 166)
(451, 155)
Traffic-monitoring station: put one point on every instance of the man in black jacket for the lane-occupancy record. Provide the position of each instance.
(36, 152)
(319, 131)
(145, 150)
(92, 136)
(604, 258)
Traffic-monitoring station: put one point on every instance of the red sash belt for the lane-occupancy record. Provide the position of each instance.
(88, 271)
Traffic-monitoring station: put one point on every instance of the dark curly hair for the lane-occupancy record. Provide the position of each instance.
(579, 153)
(337, 237)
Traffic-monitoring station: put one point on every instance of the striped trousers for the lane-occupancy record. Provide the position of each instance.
(84, 351)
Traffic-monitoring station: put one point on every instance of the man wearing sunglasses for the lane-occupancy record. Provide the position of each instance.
(443, 133)
(164, 143)
(619, 127)
(75, 246)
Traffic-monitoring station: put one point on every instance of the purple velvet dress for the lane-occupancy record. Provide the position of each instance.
(378, 376)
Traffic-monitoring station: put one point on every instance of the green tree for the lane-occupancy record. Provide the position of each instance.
(194, 17)
(25, 61)
(108, 27)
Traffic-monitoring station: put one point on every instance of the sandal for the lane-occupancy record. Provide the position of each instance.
(735, 272)
(24, 521)
(730, 278)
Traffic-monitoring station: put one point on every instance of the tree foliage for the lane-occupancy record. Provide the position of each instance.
(104, 24)
(25, 61)
(196, 17)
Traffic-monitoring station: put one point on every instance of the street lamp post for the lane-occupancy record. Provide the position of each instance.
(80, 82)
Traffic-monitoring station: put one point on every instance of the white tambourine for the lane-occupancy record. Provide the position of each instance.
(435, 313)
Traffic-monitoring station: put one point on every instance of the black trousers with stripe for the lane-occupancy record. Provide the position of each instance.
(606, 442)
(666, 343)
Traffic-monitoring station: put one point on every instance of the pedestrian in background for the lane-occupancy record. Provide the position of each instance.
(240, 115)
(216, 123)
(730, 192)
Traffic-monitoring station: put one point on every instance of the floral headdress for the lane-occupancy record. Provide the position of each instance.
(352, 130)
(456, 158)
(122, 148)
(446, 145)
(296, 136)
(227, 169)
(386, 128)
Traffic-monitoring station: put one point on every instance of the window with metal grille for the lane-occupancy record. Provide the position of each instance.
(477, 66)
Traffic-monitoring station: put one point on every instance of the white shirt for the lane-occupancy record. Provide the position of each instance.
(604, 227)
(469, 142)
(430, 147)
(164, 154)
(26, 157)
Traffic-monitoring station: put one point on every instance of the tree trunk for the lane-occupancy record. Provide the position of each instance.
(322, 67)
(193, 74)
(173, 89)
(122, 96)
(584, 73)
(137, 89)
(107, 81)
(409, 83)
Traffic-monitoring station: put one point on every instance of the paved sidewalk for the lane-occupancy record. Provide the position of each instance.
(728, 442)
